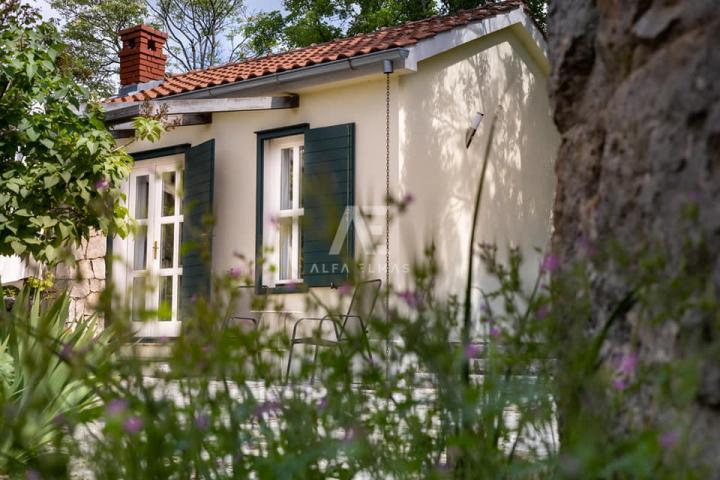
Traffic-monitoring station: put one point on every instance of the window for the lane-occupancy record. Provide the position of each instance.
(283, 210)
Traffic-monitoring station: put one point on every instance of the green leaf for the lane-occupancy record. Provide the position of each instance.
(51, 181)
(18, 248)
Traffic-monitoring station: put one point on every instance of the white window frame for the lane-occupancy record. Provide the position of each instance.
(274, 215)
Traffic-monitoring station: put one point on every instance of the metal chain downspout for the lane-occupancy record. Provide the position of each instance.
(388, 70)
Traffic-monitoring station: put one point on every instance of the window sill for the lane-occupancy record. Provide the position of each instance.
(278, 289)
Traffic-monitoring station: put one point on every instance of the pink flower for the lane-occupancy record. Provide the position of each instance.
(494, 332)
(542, 312)
(116, 407)
(550, 263)
(133, 425)
(408, 199)
(628, 363)
(619, 384)
(235, 272)
(102, 184)
(411, 298)
(345, 289)
(472, 351)
(322, 404)
(668, 440)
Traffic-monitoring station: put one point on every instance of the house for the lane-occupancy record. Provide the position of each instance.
(284, 152)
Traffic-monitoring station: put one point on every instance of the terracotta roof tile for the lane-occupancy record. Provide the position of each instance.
(386, 38)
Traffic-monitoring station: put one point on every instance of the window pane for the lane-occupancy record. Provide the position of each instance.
(138, 298)
(302, 172)
(167, 243)
(286, 178)
(285, 262)
(168, 194)
(140, 248)
(165, 298)
(142, 185)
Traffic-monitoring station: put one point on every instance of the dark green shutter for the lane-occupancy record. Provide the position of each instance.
(328, 188)
(197, 224)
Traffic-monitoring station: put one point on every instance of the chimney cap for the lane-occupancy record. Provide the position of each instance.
(142, 28)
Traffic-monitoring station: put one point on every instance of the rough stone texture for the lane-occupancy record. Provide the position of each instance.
(86, 279)
(636, 98)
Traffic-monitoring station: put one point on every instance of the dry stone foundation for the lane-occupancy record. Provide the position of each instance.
(85, 280)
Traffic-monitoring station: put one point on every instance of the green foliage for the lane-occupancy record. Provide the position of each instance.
(60, 168)
(90, 30)
(44, 372)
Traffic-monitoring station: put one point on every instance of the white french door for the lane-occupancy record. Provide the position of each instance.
(154, 276)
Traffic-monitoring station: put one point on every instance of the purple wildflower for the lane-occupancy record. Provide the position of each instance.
(133, 425)
(628, 363)
(345, 289)
(268, 406)
(542, 312)
(59, 420)
(117, 406)
(202, 422)
(322, 404)
(693, 196)
(408, 199)
(494, 331)
(353, 433)
(66, 352)
(32, 475)
(668, 440)
(411, 298)
(619, 384)
(102, 184)
(235, 272)
(472, 351)
(587, 247)
(275, 221)
(550, 263)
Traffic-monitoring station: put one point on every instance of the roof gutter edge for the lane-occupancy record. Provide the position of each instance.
(305, 73)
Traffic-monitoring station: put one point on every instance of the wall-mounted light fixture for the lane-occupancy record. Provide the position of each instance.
(470, 133)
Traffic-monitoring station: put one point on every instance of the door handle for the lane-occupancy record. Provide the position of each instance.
(155, 249)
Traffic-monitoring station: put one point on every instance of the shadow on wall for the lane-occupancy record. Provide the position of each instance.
(500, 78)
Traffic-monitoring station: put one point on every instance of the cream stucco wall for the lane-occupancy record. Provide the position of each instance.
(430, 110)
(495, 75)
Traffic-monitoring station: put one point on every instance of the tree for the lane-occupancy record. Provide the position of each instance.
(90, 31)
(637, 102)
(60, 169)
(201, 33)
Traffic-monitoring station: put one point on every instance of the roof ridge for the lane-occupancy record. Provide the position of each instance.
(360, 44)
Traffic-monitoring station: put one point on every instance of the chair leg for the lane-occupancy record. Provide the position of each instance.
(290, 354)
(315, 355)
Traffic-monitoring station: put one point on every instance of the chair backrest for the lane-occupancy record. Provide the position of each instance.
(363, 301)
(242, 313)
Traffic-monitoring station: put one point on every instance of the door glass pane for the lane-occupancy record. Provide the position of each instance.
(285, 246)
(138, 298)
(178, 313)
(140, 248)
(168, 194)
(165, 303)
(142, 187)
(286, 178)
(167, 243)
(180, 232)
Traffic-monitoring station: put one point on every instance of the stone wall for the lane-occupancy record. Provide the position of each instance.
(637, 101)
(85, 280)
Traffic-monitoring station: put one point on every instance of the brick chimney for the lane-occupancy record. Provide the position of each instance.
(141, 57)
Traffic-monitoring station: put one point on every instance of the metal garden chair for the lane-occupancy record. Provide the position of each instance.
(243, 314)
(361, 305)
